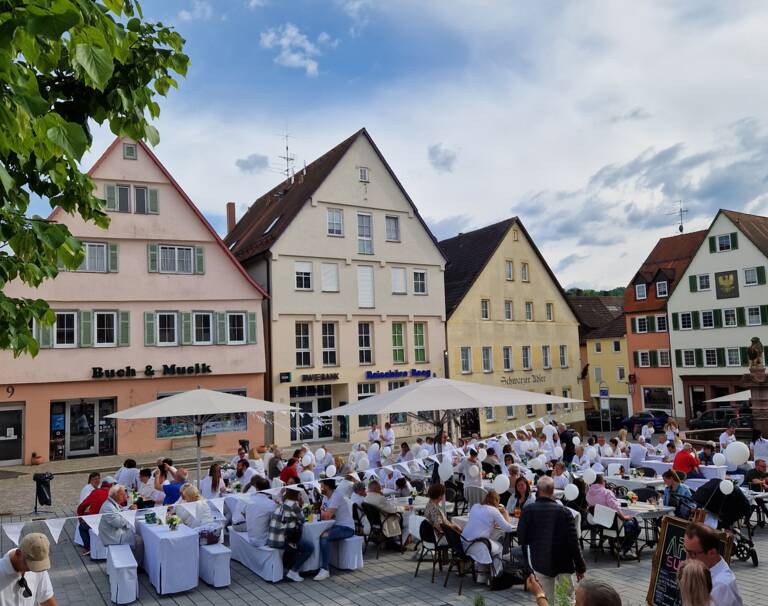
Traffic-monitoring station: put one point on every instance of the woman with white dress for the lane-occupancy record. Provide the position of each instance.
(191, 509)
(212, 486)
(485, 520)
(758, 447)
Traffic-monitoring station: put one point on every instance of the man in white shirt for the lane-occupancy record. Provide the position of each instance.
(727, 437)
(258, 512)
(373, 433)
(244, 473)
(335, 507)
(388, 437)
(701, 543)
(240, 456)
(94, 481)
(429, 446)
(647, 431)
(24, 579)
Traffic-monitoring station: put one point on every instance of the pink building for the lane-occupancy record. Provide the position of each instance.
(158, 306)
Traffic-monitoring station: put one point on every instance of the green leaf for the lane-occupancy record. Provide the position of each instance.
(52, 23)
(70, 137)
(97, 63)
(134, 25)
(151, 135)
(6, 179)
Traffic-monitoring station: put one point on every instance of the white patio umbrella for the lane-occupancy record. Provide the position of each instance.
(198, 407)
(739, 396)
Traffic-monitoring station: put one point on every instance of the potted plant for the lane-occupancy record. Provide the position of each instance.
(173, 522)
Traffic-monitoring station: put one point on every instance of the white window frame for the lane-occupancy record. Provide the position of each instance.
(698, 282)
(361, 347)
(506, 357)
(690, 320)
(465, 360)
(509, 313)
(195, 316)
(746, 280)
(363, 174)
(713, 351)
(329, 287)
(598, 372)
(176, 250)
(747, 314)
(175, 316)
(735, 318)
(529, 316)
(304, 275)
(423, 273)
(665, 359)
(84, 266)
(546, 357)
(526, 358)
(329, 222)
(490, 414)
(329, 341)
(693, 358)
(643, 353)
(598, 347)
(134, 147)
(728, 352)
(485, 309)
(549, 312)
(303, 350)
(566, 392)
(659, 294)
(115, 328)
(720, 246)
(509, 270)
(711, 317)
(563, 356)
(645, 324)
(621, 373)
(364, 242)
(402, 347)
(387, 235)
(487, 362)
(525, 272)
(244, 317)
(423, 347)
(666, 324)
(641, 288)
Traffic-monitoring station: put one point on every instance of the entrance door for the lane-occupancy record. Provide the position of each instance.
(301, 423)
(11, 447)
(81, 428)
(325, 424)
(698, 396)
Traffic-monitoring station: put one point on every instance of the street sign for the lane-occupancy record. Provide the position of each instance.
(605, 404)
(603, 392)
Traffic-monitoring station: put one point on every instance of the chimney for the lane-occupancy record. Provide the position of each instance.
(230, 216)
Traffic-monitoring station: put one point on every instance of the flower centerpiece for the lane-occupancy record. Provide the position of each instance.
(489, 476)
(414, 492)
(237, 487)
(632, 497)
(173, 522)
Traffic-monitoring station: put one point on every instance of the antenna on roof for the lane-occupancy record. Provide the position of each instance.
(679, 213)
(289, 159)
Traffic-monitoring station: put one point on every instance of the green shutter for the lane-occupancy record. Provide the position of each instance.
(678, 358)
(693, 283)
(199, 260)
(111, 194)
(764, 314)
(695, 322)
(634, 325)
(154, 202)
(741, 317)
(149, 328)
(124, 334)
(651, 323)
(636, 358)
(721, 356)
(112, 260)
(699, 357)
(654, 356)
(252, 335)
(221, 328)
(712, 244)
(46, 335)
(734, 241)
(717, 317)
(186, 328)
(86, 328)
(761, 274)
(675, 321)
(152, 258)
(744, 356)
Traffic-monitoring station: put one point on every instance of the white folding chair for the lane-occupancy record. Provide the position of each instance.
(604, 520)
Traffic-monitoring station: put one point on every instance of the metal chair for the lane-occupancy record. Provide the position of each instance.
(458, 556)
(430, 546)
(376, 518)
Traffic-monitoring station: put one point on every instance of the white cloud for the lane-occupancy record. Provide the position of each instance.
(295, 49)
(441, 158)
(254, 4)
(326, 39)
(359, 12)
(200, 11)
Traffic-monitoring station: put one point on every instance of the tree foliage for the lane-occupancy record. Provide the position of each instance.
(65, 65)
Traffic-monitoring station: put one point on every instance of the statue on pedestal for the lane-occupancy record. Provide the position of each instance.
(755, 353)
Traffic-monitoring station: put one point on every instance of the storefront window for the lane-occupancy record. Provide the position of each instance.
(172, 427)
(657, 397)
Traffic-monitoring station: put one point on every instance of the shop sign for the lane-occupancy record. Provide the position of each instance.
(526, 380)
(321, 376)
(398, 374)
(285, 377)
(168, 370)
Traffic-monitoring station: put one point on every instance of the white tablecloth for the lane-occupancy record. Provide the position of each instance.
(311, 531)
(171, 558)
(615, 461)
(646, 510)
(653, 457)
(659, 466)
(695, 483)
(635, 483)
(713, 471)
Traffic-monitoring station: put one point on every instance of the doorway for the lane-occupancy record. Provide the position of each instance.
(698, 395)
(306, 425)
(11, 435)
(81, 427)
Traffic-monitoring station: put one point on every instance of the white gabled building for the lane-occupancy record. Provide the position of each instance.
(717, 307)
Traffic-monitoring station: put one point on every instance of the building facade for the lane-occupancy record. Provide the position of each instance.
(158, 306)
(509, 324)
(607, 374)
(716, 309)
(355, 280)
(647, 324)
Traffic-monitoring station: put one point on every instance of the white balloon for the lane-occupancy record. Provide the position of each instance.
(548, 430)
(374, 447)
(571, 492)
(481, 454)
(718, 459)
(386, 451)
(591, 454)
(534, 463)
(320, 454)
(576, 440)
(330, 471)
(306, 460)
(501, 484)
(737, 453)
(558, 452)
(726, 487)
(445, 471)
(589, 476)
(474, 471)
(362, 464)
(306, 476)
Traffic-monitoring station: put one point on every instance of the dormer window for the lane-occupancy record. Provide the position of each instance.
(130, 152)
(661, 289)
(640, 292)
(363, 174)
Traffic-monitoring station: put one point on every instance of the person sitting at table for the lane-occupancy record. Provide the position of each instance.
(359, 492)
(291, 470)
(581, 459)
(435, 514)
(92, 505)
(252, 515)
(677, 494)
(169, 480)
(243, 473)
(687, 462)
(94, 481)
(484, 519)
(727, 437)
(560, 477)
(519, 444)
(388, 477)
(212, 486)
(757, 478)
(390, 523)
(615, 447)
(149, 496)
(200, 514)
(671, 453)
(598, 494)
(402, 488)
(464, 467)
(661, 445)
(335, 507)
(621, 441)
(491, 458)
(521, 496)
(285, 529)
(706, 456)
(128, 475)
(405, 455)
(114, 529)
(509, 459)
(647, 431)
(603, 449)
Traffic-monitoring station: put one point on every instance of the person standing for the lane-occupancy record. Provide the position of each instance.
(566, 442)
(373, 433)
(648, 431)
(335, 507)
(727, 437)
(24, 576)
(388, 436)
(548, 530)
(701, 543)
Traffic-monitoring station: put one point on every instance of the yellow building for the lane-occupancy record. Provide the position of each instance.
(609, 365)
(509, 324)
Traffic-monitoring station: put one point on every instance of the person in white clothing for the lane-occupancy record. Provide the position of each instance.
(648, 431)
(560, 476)
(581, 459)
(466, 465)
(758, 447)
(24, 579)
(212, 486)
(483, 521)
(374, 455)
(195, 512)
(702, 543)
(94, 481)
(429, 446)
(244, 473)
(727, 437)
(374, 435)
(388, 437)
(240, 456)
(258, 512)
(147, 491)
(128, 475)
(389, 477)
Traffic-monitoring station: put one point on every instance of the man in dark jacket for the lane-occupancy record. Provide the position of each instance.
(566, 441)
(548, 531)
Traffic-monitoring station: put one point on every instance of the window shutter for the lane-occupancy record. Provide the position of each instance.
(675, 321)
(45, 339)
(252, 326)
(399, 283)
(693, 283)
(717, 316)
(124, 334)
(734, 241)
(329, 277)
(154, 202)
(636, 358)
(699, 357)
(712, 244)
(678, 358)
(149, 328)
(720, 356)
(744, 356)
(86, 329)
(761, 274)
(365, 297)
(199, 260)
(633, 323)
(654, 356)
(764, 313)
(186, 327)
(112, 262)
(221, 328)
(110, 192)
(152, 258)
(741, 317)
(651, 323)
(695, 322)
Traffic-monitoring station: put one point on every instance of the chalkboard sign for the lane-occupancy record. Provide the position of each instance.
(670, 552)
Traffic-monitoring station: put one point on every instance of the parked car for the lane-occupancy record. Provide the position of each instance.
(659, 418)
(721, 417)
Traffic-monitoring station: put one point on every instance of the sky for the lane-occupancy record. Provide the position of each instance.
(591, 121)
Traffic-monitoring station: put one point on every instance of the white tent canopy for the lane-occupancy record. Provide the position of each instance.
(444, 394)
(739, 396)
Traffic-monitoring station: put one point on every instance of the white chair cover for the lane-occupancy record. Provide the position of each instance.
(613, 469)
(277, 483)
(98, 551)
(347, 554)
(264, 561)
(123, 578)
(214, 564)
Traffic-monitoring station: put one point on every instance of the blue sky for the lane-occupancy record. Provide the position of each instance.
(589, 120)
